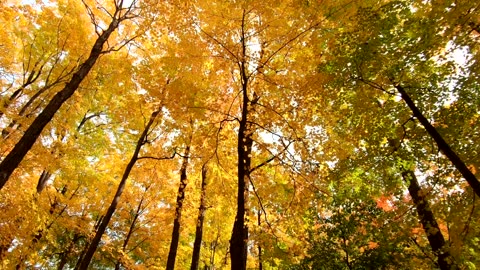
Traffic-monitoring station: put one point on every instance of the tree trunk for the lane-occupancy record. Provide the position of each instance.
(259, 223)
(172, 254)
(131, 228)
(441, 143)
(42, 181)
(199, 227)
(13, 159)
(85, 261)
(239, 238)
(429, 223)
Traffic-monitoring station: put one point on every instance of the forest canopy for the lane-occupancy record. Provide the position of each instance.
(239, 134)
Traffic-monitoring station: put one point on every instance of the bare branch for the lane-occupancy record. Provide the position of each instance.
(221, 44)
(160, 158)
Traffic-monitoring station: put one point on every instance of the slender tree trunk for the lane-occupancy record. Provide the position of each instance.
(85, 261)
(259, 223)
(239, 238)
(82, 254)
(429, 223)
(213, 248)
(199, 227)
(42, 181)
(131, 228)
(13, 159)
(172, 254)
(441, 143)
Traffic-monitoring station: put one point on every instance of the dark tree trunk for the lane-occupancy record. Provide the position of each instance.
(238, 241)
(259, 223)
(429, 223)
(199, 227)
(239, 238)
(85, 261)
(42, 181)
(13, 159)
(441, 143)
(172, 254)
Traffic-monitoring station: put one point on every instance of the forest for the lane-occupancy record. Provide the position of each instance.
(239, 134)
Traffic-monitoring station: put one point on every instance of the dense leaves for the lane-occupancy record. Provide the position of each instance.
(291, 126)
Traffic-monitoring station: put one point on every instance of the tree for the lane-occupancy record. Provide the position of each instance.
(396, 49)
(305, 112)
(178, 209)
(16, 155)
(197, 244)
(257, 76)
(429, 223)
(85, 260)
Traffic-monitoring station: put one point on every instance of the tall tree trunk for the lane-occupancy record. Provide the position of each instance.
(85, 261)
(13, 159)
(172, 254)
(259, 223)
(441, 143)
(239, 238)
(199, 227)
(429, 223)
(131, 228)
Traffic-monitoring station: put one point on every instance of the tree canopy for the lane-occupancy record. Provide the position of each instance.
(239, 134)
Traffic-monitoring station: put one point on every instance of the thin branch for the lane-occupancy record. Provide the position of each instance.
(93, 19)
(271, 158)
(261, 206)
(221, 44)
(160, 158)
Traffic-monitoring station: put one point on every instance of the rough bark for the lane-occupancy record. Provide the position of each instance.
(429, 223)
(172, 254)
(13, 159)
(441, 143)
(85, 261)
(199, 227)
